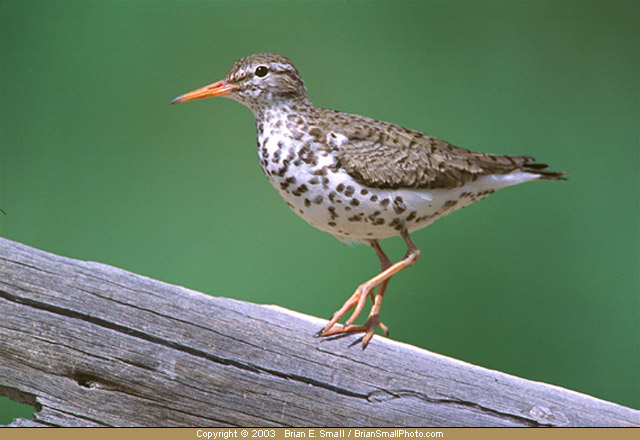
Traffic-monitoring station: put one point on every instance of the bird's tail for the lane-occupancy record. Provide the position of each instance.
(539, 169)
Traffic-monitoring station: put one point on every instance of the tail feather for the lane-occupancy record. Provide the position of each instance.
(539, 168)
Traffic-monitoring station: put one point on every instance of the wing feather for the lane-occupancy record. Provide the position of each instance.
(383, 155)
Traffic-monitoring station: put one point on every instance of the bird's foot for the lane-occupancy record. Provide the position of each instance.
(357, 300)
(368, 328)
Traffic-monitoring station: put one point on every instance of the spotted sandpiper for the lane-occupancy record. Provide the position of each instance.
(357, 178)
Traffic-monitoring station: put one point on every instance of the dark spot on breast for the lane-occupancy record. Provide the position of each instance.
(354, 202)
(307, 202)
(428, 217)
(340, 188)
(364, 192)
(397, 224)
(373, 215)
(349, 191)
(334, 168)
(307, 155)
(373, 198)
(449, 204)
(315, 132)
(398, 205)
(285, 167)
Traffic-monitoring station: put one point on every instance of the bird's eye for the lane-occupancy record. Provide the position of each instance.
(261, 71)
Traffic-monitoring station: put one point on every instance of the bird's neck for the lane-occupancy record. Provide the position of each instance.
(284, 126)
(281, 108)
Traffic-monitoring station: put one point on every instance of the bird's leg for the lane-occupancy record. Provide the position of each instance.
(359, 297)
(385, 263)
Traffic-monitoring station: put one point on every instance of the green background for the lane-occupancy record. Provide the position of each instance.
(540, 281)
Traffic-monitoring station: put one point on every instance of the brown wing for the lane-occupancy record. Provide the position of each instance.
(383, 155)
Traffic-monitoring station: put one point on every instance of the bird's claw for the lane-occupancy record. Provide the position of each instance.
(369, 328)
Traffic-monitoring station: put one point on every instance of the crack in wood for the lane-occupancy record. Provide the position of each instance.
(314, 382)
(456, 401)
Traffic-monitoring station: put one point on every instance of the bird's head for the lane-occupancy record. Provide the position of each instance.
(257, 81)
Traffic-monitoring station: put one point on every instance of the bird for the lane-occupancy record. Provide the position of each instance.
(357, 178)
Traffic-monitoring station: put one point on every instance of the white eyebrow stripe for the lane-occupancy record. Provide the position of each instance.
(282, 67)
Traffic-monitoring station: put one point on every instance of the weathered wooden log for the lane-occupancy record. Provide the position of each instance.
(91, 345)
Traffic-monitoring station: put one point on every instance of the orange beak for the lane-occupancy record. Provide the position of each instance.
(221, 88)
